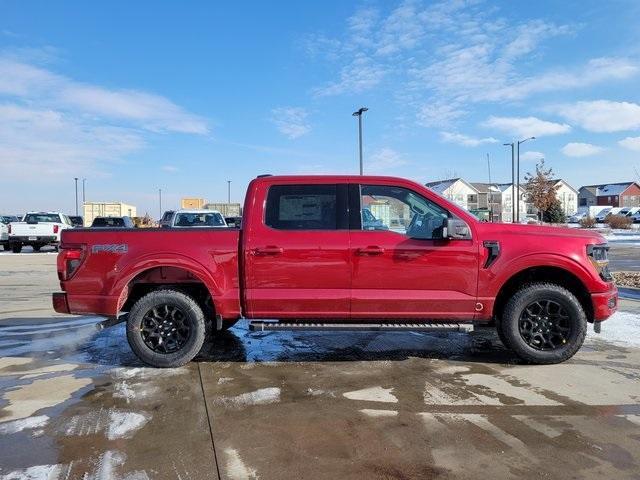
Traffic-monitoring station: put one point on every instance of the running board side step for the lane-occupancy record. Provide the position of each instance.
(261, 326)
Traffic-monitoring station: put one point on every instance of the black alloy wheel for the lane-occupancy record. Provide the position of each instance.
(545, 325)
(165, 329)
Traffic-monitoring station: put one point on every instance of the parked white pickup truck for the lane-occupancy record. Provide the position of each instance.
(5, 220)
(37, 230)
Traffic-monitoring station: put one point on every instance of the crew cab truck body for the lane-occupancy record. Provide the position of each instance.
(38, 229)
(305, 257)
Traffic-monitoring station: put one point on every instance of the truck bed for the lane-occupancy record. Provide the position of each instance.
(114, 262)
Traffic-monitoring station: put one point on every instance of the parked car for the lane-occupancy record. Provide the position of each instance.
(198, 218)
(112, 222)
(636, 217)
(233, 222)
(38, 229)
(602, 214)
(577, 217)
(76, 221)
(632, 211)
(5, 220)
(303, 257)
(167, 219)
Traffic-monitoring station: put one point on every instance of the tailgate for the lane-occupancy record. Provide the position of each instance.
(31, 229)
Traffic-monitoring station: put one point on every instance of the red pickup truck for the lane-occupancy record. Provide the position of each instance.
(341, 252)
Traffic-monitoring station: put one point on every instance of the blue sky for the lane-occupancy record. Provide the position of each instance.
(136, 96)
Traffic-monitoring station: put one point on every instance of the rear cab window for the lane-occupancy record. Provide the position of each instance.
(42, 218)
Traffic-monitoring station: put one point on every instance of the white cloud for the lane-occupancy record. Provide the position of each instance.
(576, 149)
(41, 144)
(291, 121)
(526, 126)
(602, 115)
(52, 124)
(384, 160)
(532, 156)
(465, 140)
(630, 143)
(445, 56)
(141, 109)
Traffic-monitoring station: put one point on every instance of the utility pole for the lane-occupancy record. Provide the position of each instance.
(520, 142)
(160, 202)
(83, 197)
(490, 189)
(76, 180)
(228, 191)
(513, 180)
(358, 114)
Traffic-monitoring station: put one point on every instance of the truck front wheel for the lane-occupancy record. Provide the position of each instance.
(166, 328)
(543, 323)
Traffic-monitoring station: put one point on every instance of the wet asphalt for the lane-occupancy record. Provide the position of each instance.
(76, 403)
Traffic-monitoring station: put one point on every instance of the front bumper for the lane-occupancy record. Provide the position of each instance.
(60, 304)
(605, 304)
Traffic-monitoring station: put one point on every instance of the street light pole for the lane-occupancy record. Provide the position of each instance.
(358, 114)
(228, 191)
(513, 180)
(520, 142)
(83, 198)
(76, 180)
(160, 202)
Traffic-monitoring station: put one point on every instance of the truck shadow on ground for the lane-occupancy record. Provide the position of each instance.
(82, 341)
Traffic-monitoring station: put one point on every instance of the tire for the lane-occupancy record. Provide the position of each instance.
(36, 248)
(6, 247)
(16, 247)
(144, 324)
(543, 323)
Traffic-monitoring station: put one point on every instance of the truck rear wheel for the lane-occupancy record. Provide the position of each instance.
(543, 323)
(36, 247)
(166, 328)
(16, 247)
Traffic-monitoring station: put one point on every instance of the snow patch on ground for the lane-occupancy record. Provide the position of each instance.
(379, 413)
(114, 423)
(124, 424)
(37, 472)
(373, 394)
(236, 468)
(107, 465)
(23, 424)
(623, 328)
(145, 373)
(262, 396)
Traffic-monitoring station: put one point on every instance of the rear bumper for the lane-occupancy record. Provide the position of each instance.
(48, 239)
(604, 304)
(60, 304)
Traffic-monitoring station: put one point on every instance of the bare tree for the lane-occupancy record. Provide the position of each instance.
(541, 188)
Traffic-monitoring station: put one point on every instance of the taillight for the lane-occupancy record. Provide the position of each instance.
(56, 228)
(69, 259)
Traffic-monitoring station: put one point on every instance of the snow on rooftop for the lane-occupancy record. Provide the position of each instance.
(611, 189)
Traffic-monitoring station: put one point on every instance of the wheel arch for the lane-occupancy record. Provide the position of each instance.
(548, 274)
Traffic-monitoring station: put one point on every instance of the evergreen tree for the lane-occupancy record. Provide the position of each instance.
(554, 214)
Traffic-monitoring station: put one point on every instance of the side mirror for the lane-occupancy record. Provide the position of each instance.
(454, 228)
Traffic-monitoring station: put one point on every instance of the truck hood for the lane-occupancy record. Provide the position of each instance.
(488, 229)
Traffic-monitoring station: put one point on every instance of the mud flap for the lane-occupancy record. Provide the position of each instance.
(597, 327)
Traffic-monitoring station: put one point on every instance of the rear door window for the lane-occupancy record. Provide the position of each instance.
(302, 207)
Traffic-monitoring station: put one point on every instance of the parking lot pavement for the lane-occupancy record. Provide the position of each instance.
(75, 402)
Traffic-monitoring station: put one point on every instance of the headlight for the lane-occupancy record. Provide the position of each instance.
(598, 255)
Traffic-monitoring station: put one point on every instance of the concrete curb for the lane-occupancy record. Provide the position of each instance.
(629, 293)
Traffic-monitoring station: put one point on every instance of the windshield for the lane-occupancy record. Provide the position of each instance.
(8, 219)
(42, 218)
(108, 222)
(199, 220)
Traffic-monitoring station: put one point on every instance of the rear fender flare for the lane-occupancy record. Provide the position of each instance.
(167, 260)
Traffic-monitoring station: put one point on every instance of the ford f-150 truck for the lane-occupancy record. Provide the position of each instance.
(305, 259)
(38, 229)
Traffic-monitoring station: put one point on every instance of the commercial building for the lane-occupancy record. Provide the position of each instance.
(192, 203)
(91, 210)
(226, 209)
